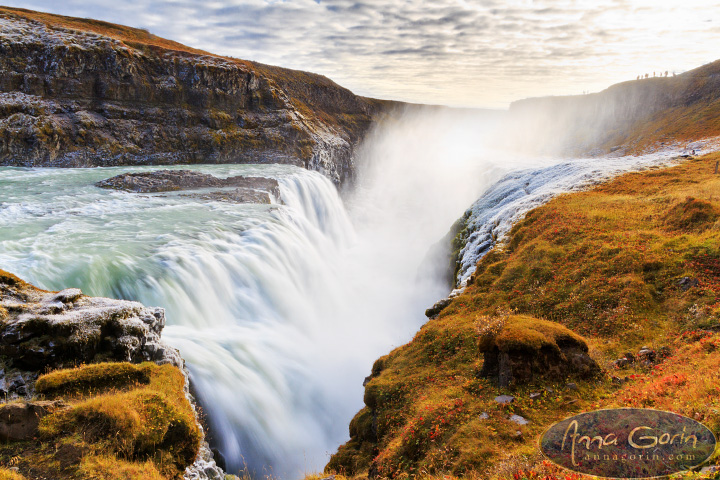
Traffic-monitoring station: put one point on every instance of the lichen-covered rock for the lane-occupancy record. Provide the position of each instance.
(520, 349)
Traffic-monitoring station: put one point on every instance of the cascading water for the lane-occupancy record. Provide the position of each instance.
(279, 310)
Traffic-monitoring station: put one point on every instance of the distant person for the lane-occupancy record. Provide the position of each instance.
(647, 75)
(666, 73)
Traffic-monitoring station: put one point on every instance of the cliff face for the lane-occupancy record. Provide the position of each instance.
(629, 117)
(77, 93)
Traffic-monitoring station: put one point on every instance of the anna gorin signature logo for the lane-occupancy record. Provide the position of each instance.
(628, 443)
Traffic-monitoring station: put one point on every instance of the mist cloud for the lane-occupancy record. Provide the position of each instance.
(460, 52)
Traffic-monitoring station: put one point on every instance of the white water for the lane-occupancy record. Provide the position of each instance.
(278, 310)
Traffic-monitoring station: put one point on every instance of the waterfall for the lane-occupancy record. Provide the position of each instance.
(280, 310)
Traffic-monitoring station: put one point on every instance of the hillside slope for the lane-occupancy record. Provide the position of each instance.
(629, 117)
(77, 92)
(627, 273)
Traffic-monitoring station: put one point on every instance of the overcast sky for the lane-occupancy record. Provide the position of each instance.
(483, 53)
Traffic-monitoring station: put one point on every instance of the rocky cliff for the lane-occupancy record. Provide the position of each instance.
(110, 414)
(78, 93)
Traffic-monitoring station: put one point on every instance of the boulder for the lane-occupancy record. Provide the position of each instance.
(439, 306)
(49, 330)
(246, 189)
(19, 421)
(520, 349)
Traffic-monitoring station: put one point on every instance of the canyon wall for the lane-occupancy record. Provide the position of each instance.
(81, 93)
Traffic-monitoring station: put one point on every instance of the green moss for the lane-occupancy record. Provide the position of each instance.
(361, 426)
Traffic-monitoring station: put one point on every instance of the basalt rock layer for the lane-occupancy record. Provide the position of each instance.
(80, 93)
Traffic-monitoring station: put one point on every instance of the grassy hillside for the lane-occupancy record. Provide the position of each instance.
(634, 116)
(632, 263)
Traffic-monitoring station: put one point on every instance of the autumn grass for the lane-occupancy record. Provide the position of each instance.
(607, 266)
(111, 468)
(93, 379)
(6, 474)
(123, 421)
(118, 32)
(522, 332)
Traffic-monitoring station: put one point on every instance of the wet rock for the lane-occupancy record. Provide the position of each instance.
(483, 416)
(88, 330)
(68, 295)
(571, 386)
(246, 189)
(686, 283)
(239, 195)
(439, 306)
(518, 419)
(504, 399)
(535, 395)
(16, 384)
(19, 421)
(219, 458)
(630, 357)
(367, 380)
(621, 363)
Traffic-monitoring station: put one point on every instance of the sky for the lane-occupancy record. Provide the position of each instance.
(475, 53)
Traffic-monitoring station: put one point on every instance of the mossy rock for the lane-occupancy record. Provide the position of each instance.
(526, 333)
(363, 426)
(94, 378)
(111, 468)
(137, 413)
(521, 349)
(351, 458)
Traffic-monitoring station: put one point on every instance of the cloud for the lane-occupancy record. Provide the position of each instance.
(460, 52)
